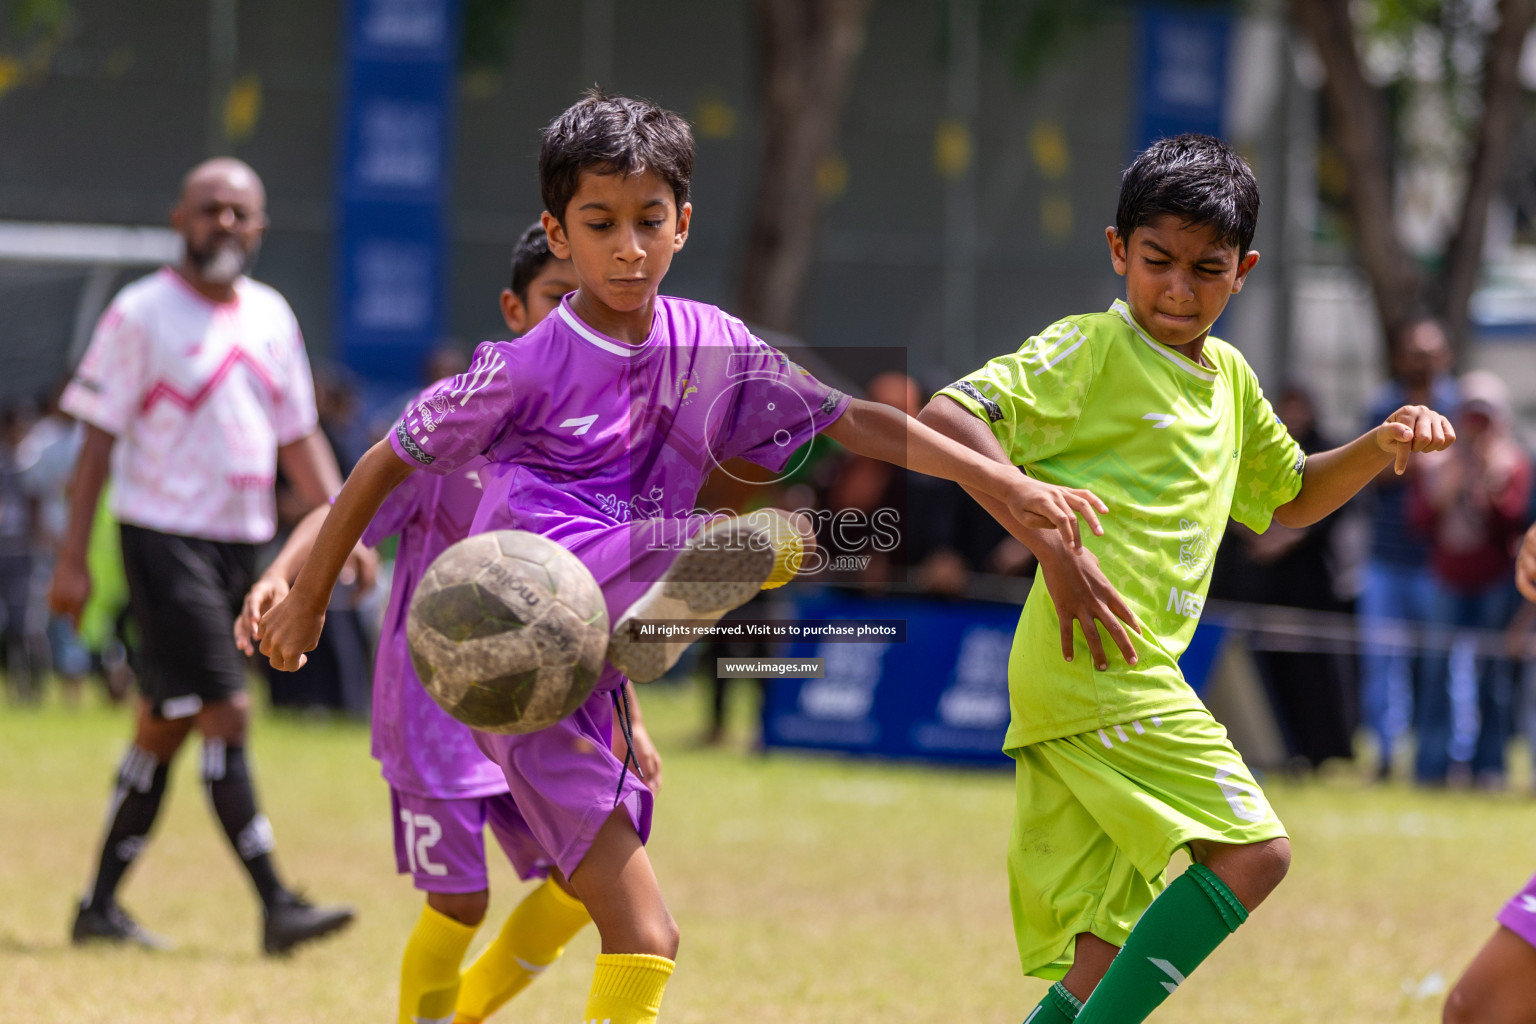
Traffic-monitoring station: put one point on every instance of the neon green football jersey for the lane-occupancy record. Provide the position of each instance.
(1173, 447)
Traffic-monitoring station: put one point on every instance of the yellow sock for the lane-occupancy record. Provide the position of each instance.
(788, 545)
(429, 972)
(627, 988)
(533, 938)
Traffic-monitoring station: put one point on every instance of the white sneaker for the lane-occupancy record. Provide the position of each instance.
(721, 568)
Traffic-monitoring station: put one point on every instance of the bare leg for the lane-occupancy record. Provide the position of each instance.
(467, 908)
(1252, 872)
(162, 737)
(619, 889)
(1499, 986)
(1090, 960)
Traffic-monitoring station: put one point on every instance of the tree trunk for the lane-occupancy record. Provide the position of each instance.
(1490, 160)
(1362, 133)
(808, 51)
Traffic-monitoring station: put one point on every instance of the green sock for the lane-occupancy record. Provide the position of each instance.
(1177, 933)
(1058, 1007)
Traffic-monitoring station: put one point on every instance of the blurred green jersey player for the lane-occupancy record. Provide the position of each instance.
(1119, 764)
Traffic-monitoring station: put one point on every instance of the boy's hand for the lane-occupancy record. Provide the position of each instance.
(288, 630)
(1413, 428)
(1525, 566)
(1082, 594)
(267, 592)
(70, 589)
(1040, 505)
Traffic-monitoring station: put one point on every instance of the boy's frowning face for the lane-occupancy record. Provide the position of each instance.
(620, 232)
(1178, 277)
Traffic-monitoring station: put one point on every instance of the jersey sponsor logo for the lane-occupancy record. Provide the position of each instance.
(829, 404)
(408, 443)
(971, 391)
(1170, 970)
(433, 410)
(581, 423)
(1301, 462)
(1185, 602)
(628, 510)
(1161, 420)
(1245, 799)
(1195, 549)
(1528, 903)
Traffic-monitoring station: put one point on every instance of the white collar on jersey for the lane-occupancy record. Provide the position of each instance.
(617, 348)
(1189, 366)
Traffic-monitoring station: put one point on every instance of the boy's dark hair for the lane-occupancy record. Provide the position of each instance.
(613, 135)
(1198, 179)
(529, 256)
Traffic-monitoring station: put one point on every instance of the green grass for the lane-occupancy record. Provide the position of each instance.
(807, 889)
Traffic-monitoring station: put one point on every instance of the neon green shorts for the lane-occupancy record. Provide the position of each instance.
(1099, 815)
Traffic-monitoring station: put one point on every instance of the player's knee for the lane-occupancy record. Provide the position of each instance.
(467, 908)
(1280, 850)
(1463, 1006)
(227, 720)
(1272, 862)
(661, 937)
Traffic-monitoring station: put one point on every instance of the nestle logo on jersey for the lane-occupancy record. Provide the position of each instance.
(434, 403)
(1185, 602)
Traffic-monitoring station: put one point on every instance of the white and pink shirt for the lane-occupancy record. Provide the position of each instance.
(199, 395)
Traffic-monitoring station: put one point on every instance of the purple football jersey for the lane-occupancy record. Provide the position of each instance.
(420, 748)
(603, 446)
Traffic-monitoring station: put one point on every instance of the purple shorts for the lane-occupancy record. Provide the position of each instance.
(1519, 914)
(565, 783)
(440, 843)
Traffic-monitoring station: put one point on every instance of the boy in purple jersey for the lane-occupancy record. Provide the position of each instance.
(599, 427)
(443, 790)
(1499, 986)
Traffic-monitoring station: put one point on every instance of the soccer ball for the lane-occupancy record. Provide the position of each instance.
(508, 631)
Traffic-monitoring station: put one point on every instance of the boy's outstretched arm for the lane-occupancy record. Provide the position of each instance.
(1076, 584)
(1333, 477)
(292, 626)
(890, 435)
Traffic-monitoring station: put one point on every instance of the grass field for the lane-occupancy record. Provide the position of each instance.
(808, 890)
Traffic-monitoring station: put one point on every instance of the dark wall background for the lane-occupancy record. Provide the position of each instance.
(98, 127)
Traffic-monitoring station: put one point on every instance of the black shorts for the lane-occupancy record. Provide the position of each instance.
(185, 593)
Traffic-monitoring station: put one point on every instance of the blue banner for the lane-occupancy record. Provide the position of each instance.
(941, 696)
(393, 183)
(1181, 85)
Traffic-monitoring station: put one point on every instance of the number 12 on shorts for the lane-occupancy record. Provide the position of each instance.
(421, 834)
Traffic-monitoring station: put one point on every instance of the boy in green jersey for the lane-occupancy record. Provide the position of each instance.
(1119, 764)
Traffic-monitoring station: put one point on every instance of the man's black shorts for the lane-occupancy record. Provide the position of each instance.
(185, 593)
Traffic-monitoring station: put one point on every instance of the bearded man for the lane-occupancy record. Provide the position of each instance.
(195, 389)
